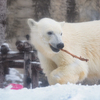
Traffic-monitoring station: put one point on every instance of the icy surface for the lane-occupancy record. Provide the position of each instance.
(55, 92)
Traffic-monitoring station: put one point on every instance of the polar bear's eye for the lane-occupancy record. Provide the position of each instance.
(50, 33)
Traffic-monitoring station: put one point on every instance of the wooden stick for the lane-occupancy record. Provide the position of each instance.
(80, 58)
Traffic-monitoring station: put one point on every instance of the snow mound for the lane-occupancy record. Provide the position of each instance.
(54, 92)
(13, 77)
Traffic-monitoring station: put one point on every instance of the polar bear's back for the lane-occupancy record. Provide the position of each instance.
(83, 39)
(82, 33)
(84, 27)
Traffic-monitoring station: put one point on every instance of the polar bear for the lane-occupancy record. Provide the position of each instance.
(82, 39)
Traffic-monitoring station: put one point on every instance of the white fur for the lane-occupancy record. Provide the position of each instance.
(55, 39)
(81, 39)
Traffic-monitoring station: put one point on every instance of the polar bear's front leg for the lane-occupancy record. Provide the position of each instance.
(47, 64)
(72, 73)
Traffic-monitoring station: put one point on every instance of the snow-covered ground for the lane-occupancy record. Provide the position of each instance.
(54, 92)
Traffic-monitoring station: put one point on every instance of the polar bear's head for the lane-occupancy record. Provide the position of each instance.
(46, 33)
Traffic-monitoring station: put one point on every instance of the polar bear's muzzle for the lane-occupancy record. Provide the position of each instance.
(59, 46)
(54, 49)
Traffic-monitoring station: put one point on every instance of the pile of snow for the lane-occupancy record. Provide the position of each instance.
(54, 92)
(14, 76)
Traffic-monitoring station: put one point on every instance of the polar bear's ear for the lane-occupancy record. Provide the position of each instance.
(62, 23)
(31, 22)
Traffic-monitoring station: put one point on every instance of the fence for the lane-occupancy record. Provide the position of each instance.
(25, 58)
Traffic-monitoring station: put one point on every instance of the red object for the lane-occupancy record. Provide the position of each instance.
(16, 86)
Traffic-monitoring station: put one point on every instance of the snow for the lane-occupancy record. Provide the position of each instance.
(54, 92)
(18, 60)
(23, 61)
(13, 77)
(35, 62)
(6, 44)
(13, 52)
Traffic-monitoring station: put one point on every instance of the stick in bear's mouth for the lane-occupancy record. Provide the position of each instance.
(80, 58)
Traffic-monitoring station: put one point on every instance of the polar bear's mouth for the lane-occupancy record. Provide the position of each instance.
(54, 49)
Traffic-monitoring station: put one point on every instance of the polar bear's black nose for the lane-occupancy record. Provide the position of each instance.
(60, 45)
